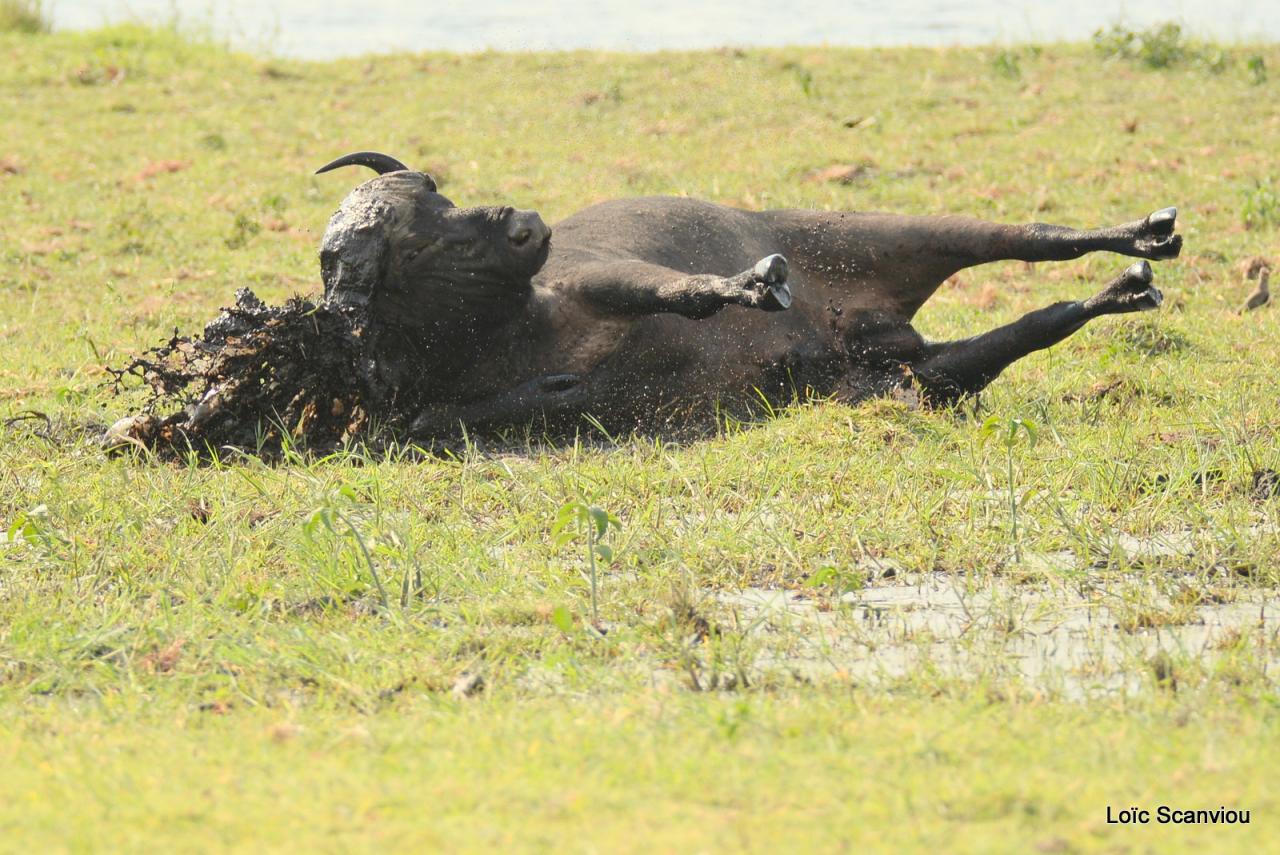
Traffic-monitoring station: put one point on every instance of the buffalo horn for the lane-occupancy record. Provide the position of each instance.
(379, 163)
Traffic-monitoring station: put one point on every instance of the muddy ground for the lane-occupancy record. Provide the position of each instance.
(259, 379)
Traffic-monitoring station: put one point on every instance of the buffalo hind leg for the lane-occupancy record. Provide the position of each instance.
(959, 242)
(952, 370)
(1152, 237)
(915, 255)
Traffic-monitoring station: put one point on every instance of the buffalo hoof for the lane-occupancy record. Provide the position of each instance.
(1156, 239)
(776, 298)
(1163, 221)
(771, 271)
(1132, 291)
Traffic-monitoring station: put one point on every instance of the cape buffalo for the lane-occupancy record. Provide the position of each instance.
(660, 312)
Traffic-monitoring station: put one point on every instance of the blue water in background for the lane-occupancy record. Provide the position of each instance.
(318, 29)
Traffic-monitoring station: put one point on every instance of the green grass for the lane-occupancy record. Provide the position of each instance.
(645, 772)
(23, 16)
(187, 659)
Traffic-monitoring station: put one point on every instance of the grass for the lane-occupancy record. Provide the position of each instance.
(190, 658)
(1161, 46)
(700, 773)
(23, 16)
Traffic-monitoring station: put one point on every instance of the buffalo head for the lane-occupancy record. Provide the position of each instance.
(418, 261)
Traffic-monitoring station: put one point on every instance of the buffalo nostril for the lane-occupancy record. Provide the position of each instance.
(521, 237)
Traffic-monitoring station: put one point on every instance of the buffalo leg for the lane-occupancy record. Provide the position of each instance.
(638, 288)
(1152, 237)
(546, 397)
(952, 370)
(901, 261)
(968, 244)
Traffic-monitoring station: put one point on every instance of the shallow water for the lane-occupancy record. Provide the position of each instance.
(1093, 637)
(344, 28)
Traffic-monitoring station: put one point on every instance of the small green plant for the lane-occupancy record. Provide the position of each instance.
(1257, 68)
(342, 516)
(840, 580)
(1161, 46)
(562, 618)
(242, 231)
(23, 16)
(1005, 64)
(32, 527)
(332, 517)
(139, 229)
(1008, 431)
(1261, 205)
(803, 76)
(595, 522)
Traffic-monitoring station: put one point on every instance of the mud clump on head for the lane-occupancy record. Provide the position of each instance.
(258, 378)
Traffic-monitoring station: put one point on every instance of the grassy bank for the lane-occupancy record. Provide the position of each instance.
(189, 656)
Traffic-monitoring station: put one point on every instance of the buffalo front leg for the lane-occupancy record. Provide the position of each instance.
(952, 370)
(629, 287)
(549, 398)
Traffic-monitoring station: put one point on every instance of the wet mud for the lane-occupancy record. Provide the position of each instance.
(259, 379)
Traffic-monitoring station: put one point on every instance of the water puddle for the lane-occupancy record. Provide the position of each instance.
(1073, 639)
